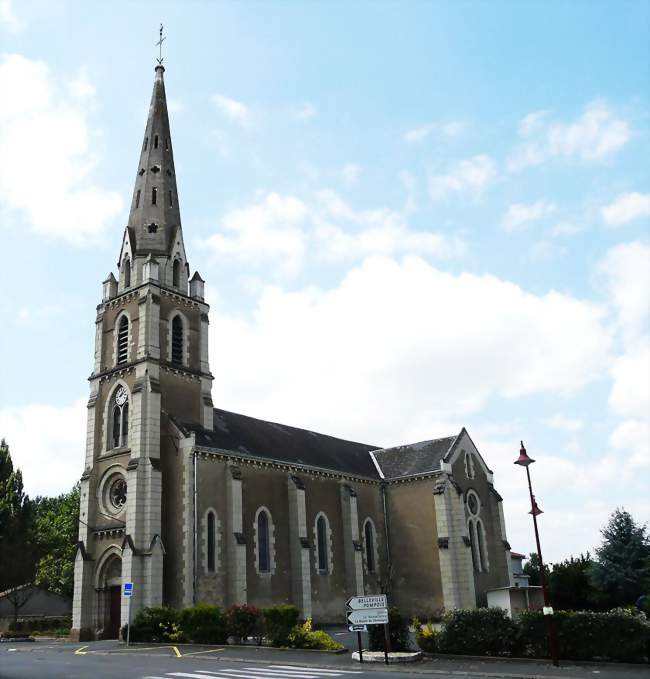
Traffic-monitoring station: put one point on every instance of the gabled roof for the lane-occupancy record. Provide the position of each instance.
(243, 435)
(413, 458)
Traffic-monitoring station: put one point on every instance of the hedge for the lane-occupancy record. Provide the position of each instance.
(204, 624)
(280, 620)
(209, 625)
(399, 635)
(619, 635)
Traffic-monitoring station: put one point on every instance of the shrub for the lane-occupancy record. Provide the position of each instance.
(478, 631)
(243, 621)
(280, 620)
(204, 624)
(303, 636)
(156, 624)
(621, 635)
(426, 637)
(400, 639)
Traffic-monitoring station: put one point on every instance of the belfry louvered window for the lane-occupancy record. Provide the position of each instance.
(177, 341)
(123, 340)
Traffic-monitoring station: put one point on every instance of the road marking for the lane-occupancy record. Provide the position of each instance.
(297, 672)
(212, 650)
(178, 653)
(315, 669)
(80, 651)
(264, 672)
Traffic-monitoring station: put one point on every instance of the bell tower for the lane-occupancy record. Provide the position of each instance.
(150, 369)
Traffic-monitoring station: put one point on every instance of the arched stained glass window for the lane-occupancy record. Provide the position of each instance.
(211, 540)
(323, 557)
(369, 539)
(263, 543)
(474, 546)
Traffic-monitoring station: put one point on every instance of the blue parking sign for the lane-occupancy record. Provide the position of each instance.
(128, 589)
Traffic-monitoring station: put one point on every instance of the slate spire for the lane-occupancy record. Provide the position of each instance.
(155, 214)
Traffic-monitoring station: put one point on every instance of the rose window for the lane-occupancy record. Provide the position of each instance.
(117, 493)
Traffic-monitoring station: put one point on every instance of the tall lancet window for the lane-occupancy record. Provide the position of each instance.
(119, 437)
(176, 273)
(263, 543)
(123, 340)
(154, 195)
(369, 539)
(321, 534)
(177, 340)
(127, 272)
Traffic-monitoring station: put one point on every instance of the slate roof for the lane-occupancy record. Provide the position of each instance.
(249, 436)
(244, 435)
(414, 458)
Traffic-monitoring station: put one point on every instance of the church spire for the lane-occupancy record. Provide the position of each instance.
(155, 214)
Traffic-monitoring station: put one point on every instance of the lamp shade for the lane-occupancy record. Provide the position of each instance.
(523, 459)
(535, 511)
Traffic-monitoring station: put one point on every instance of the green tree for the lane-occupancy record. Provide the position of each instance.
(570, 584)
(531, 569)
(16, 550)
(55, 532)
(622, 565)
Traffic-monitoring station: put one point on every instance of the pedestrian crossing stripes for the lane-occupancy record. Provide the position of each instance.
(259, 672)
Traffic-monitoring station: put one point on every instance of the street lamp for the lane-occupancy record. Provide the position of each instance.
(524, 461)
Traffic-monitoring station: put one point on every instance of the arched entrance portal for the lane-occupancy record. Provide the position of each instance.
(109, 599)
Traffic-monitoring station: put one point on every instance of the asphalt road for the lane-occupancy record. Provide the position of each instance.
(110, 660)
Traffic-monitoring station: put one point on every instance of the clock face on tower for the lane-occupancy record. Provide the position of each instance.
(121, 396)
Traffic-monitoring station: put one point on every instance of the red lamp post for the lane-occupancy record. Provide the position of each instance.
(524, 461)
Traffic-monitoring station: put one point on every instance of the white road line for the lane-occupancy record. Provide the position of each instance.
(315, 669)
(240, 674)
(264, 672)
(294, 671)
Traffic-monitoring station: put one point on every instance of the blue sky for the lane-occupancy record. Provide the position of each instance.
(411, 216)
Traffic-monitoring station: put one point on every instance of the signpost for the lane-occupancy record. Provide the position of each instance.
(368, 610)
(128, 593)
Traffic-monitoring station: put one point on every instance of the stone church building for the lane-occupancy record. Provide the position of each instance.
(192, 503)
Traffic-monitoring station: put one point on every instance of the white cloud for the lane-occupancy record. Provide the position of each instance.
(8, 19)
(234, 110)
(80, 87)
(418, 134)
(306, 111)
(472, 175)
(47, 443)
(627, 281)
(175, 105)
(449, 129)
(630, 395)
(632, 439)
(594, 136)
(350, 173)
(566, 229)
(626, 208)
(563, 423)
(519, 214)
(44, 129)
(399, 345)
(271, 228)
(282, 230)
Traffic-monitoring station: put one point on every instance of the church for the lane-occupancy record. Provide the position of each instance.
(195, 504)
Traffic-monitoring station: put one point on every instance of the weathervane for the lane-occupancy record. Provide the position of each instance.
(159, 44)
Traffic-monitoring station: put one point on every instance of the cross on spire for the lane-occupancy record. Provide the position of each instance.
(159, 44)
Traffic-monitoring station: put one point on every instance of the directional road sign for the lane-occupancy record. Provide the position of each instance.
(362, 603)
(357, 628)
(128, 589)
(371, 616)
